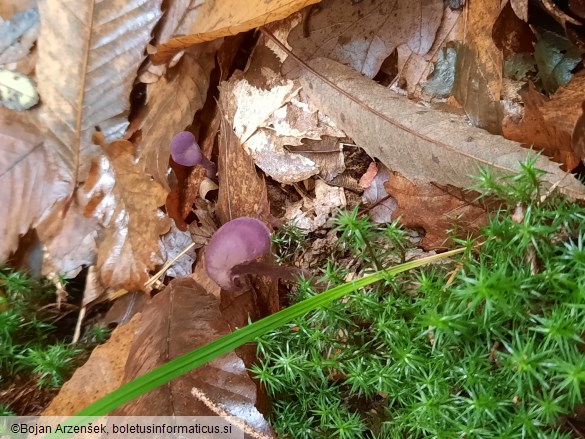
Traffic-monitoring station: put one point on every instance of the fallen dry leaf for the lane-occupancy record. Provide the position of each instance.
(479, 66)
(547, 124)
(311, 214)
(125, 202)
(375, 195)
(102, 373)
(89, 53)
(177, 320)
(171, 106)
(30, 183)
(414, 68)
(511, 34)
(364, 34)
(18, 35)
(419, 142)
(69, 242)
(242, 192)
(171, 244)
(434, 209)
(213, 21)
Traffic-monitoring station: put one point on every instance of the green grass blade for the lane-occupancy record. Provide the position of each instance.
(229, 342)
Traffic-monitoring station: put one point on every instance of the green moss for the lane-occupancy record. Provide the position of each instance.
(493, 352)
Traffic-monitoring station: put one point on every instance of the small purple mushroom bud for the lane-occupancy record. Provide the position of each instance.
(233, 251)
(185, 151)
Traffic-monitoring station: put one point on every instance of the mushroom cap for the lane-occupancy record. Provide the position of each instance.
(185, 149)
(237, 241)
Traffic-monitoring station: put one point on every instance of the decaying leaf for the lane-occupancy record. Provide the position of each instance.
(511, 34)
(548, 123)
(363, 34)
(478, 83)
(418, 142)
(556, 57)
(69, 242)
(413, 68)
(272, 122)
(440, 83)
(434, 209)
(18, 35)
(89, 53)
(171, 244)
(30, 183)
(213, 20)
(125, 201)
(172, 104)
(375, 195)
(311, 214)
(102, 373)
(17, 91)
(178, 320)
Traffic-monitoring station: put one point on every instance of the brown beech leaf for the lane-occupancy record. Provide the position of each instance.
(419, 142)
(364, 34)
(102, 373)
(177, 320)
(125, 201)
(172, 104)
(30, 182)
(433, 208)
(88, 83)
(547, 124)
(215, 20)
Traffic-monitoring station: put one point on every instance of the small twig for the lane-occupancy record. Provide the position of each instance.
(77, 333)
(575, 429)
(165, 267)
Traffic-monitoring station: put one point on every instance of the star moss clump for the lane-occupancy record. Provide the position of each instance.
(487, 346)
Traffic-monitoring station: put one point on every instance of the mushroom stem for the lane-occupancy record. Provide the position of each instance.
(209, 167)
(268, 269)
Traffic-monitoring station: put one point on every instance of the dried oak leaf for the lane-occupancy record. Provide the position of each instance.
(125, 201)
(548, 123)
(364, 34)
(177, 320)
(433, 208)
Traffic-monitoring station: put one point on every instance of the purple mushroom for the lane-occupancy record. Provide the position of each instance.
(185, 151)
(233, 251)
